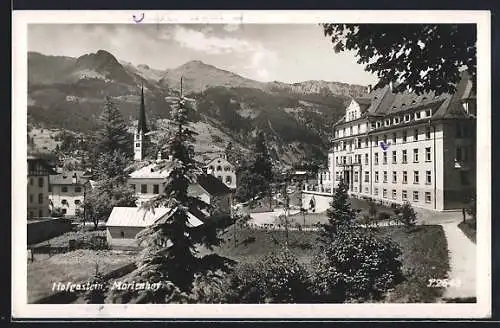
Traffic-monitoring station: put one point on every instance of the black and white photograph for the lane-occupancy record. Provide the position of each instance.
(310, 163)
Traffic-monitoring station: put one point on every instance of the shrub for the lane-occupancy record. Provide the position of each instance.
(356, 266)
(408, 216)
(277, 278)
(96, 295)
(209, 287)
(383, 216)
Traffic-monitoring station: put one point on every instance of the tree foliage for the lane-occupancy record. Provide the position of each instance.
(340, 214)
(277, 278)
(170, 244)
(407, 214)
(356, 266)
(111, 189)
(112, 132)
(255, 176)
(423, 57)
(97, 294)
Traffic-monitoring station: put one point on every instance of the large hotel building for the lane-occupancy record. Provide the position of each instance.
(397, 147)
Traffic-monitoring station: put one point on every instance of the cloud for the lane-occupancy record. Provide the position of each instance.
(259, 58)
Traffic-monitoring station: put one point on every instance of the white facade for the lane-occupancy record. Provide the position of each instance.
(220, 168)
(404, 147)
(69, 198)
(37, 188)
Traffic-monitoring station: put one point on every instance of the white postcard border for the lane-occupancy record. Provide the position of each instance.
(20, 308)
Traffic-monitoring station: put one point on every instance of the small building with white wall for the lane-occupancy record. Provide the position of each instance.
(124, 223)
(222, 169)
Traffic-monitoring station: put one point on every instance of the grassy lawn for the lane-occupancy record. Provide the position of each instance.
(468, 227)
(77, 234)
(424, 256)
(75, 266)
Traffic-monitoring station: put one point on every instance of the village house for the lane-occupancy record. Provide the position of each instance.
(124, 223)
(39, 171)
(67, 192)
(223, 170)
(398, 147)
(148, 181)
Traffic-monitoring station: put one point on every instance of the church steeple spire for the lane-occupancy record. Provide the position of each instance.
(142, 129)
(141, 125)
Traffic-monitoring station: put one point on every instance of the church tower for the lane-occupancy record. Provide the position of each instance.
(140, 134)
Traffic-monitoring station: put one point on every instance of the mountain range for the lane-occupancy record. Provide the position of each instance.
(68, 93)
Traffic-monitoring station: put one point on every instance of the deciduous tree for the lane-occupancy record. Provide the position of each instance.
(423, 57)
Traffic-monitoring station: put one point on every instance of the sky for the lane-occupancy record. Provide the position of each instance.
(264, 52)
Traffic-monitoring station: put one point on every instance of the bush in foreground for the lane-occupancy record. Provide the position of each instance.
(356, 266)
(277, 278)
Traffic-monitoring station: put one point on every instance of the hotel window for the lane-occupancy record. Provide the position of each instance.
(387, 122)
(407, 118)
(394, 157)
(385, 139)
(366, 159)
(428, 177)
(156, 189)
(366, 190)
(417, 115)
(64, 202)
(415, 196)
(415, 135)
(404, 136)
(40, 182)
(394, 194)
(428, 154)
(427, 133)
(415, 155)
(415, 177)
(428, 113)
(385, 157)
(405, 177)
(229, 180)
(427, 197)
(376, 176)
(404, 194)
(385, 177)
(376, 158)
(355, 176)
(375, 191)
(405, 156)
(394, 176)
(137, 144)
(379, 124)
(64, 211)
(396, 120)
(144, 188)
(78, 189)
(64, 189)
(40, 198)
(394, 138)
(77, 202)
(458, 154)
(376, 141)
(359, 143)
(366, 142)
(31, 198)
(367, 176)
(384, 193)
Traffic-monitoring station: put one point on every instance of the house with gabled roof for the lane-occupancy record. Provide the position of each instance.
(124, 223)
